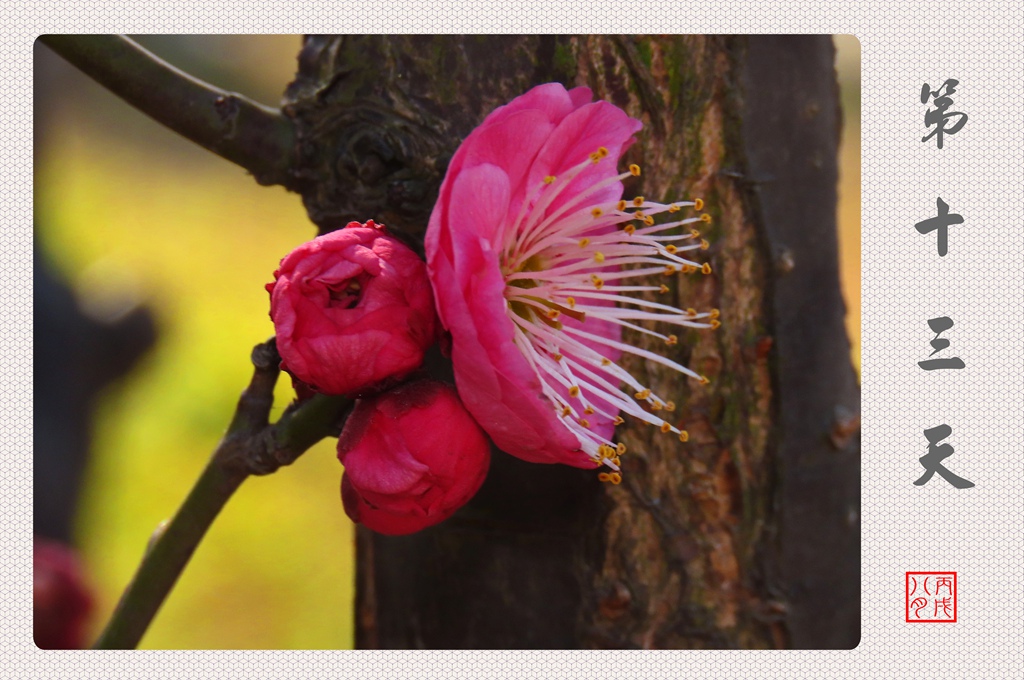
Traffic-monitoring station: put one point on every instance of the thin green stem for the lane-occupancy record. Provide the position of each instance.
(251, 446)
(256, 137)
(167, 555)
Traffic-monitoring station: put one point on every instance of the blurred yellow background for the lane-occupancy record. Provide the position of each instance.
(848, 72)
(128, 210)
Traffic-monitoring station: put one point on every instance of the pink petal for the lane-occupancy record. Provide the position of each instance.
(582, 133)
(382, 464)
(510, 145)
(580, 96)
(479, 204)
(550, 99)
(496, 383)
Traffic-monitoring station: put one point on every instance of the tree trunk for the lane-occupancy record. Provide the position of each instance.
(747, 535)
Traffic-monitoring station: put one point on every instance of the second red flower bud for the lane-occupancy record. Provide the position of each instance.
(412, 457)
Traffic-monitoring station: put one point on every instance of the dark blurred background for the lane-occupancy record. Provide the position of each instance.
(162, 250)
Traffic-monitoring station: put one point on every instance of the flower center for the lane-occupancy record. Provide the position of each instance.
(348, 293)
(574, 262)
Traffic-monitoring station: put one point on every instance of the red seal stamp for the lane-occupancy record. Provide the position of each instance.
(931, 597)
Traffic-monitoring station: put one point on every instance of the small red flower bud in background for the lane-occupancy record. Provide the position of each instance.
(352, 309)
(61, 602)
(412, 457)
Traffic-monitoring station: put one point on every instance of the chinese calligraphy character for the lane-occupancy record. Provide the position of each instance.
(945, 603)
(917, 605)
(938, 116)
(932, 461)
(944, 581)
(938, 326)
(941, 224)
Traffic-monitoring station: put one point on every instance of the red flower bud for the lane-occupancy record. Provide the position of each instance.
(61, 602)
(412, 456)
(352, 309)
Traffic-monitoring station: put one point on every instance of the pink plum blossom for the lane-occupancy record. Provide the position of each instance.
(352, 310)
(525, 249)
(412, 457)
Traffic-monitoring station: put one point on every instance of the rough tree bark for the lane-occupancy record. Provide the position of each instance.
(746, 536)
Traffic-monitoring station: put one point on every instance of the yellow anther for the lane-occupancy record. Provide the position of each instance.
(698, 204)
(598, 283)
(691, 312)
(671, 249)
(671, 340)
(649, 221)
(589, 410)
(615, 478)
(705, 268)
(584, 423)
(629, 229)
(695, 233)
(663, 288)
(665, 427)
(634, 170)
(566, 411)
(596, 212)
(557, 357)
(687, 269)
(704, 245)
(657, 405)
(595, 157)
(620, 449)
(584, 242)
(574, 391)
(605, 362)
(704, 380)
(620, 206)
(705, 218)
(715, 323)
(571, 301)
(670, 406)
(638, 201)
(604, 477)
(616, 461)
(715, 313)
(602, 151)
(552, 314)
(549, 179)
(669, 270)
(673, 208)
(638, 214)
(643, 394)
(599, 257)
(684, 436)
(618, 420)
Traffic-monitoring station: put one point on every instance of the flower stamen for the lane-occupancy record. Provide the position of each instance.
(568, 262)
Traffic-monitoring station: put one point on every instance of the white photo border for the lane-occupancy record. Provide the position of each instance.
(980, 174)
